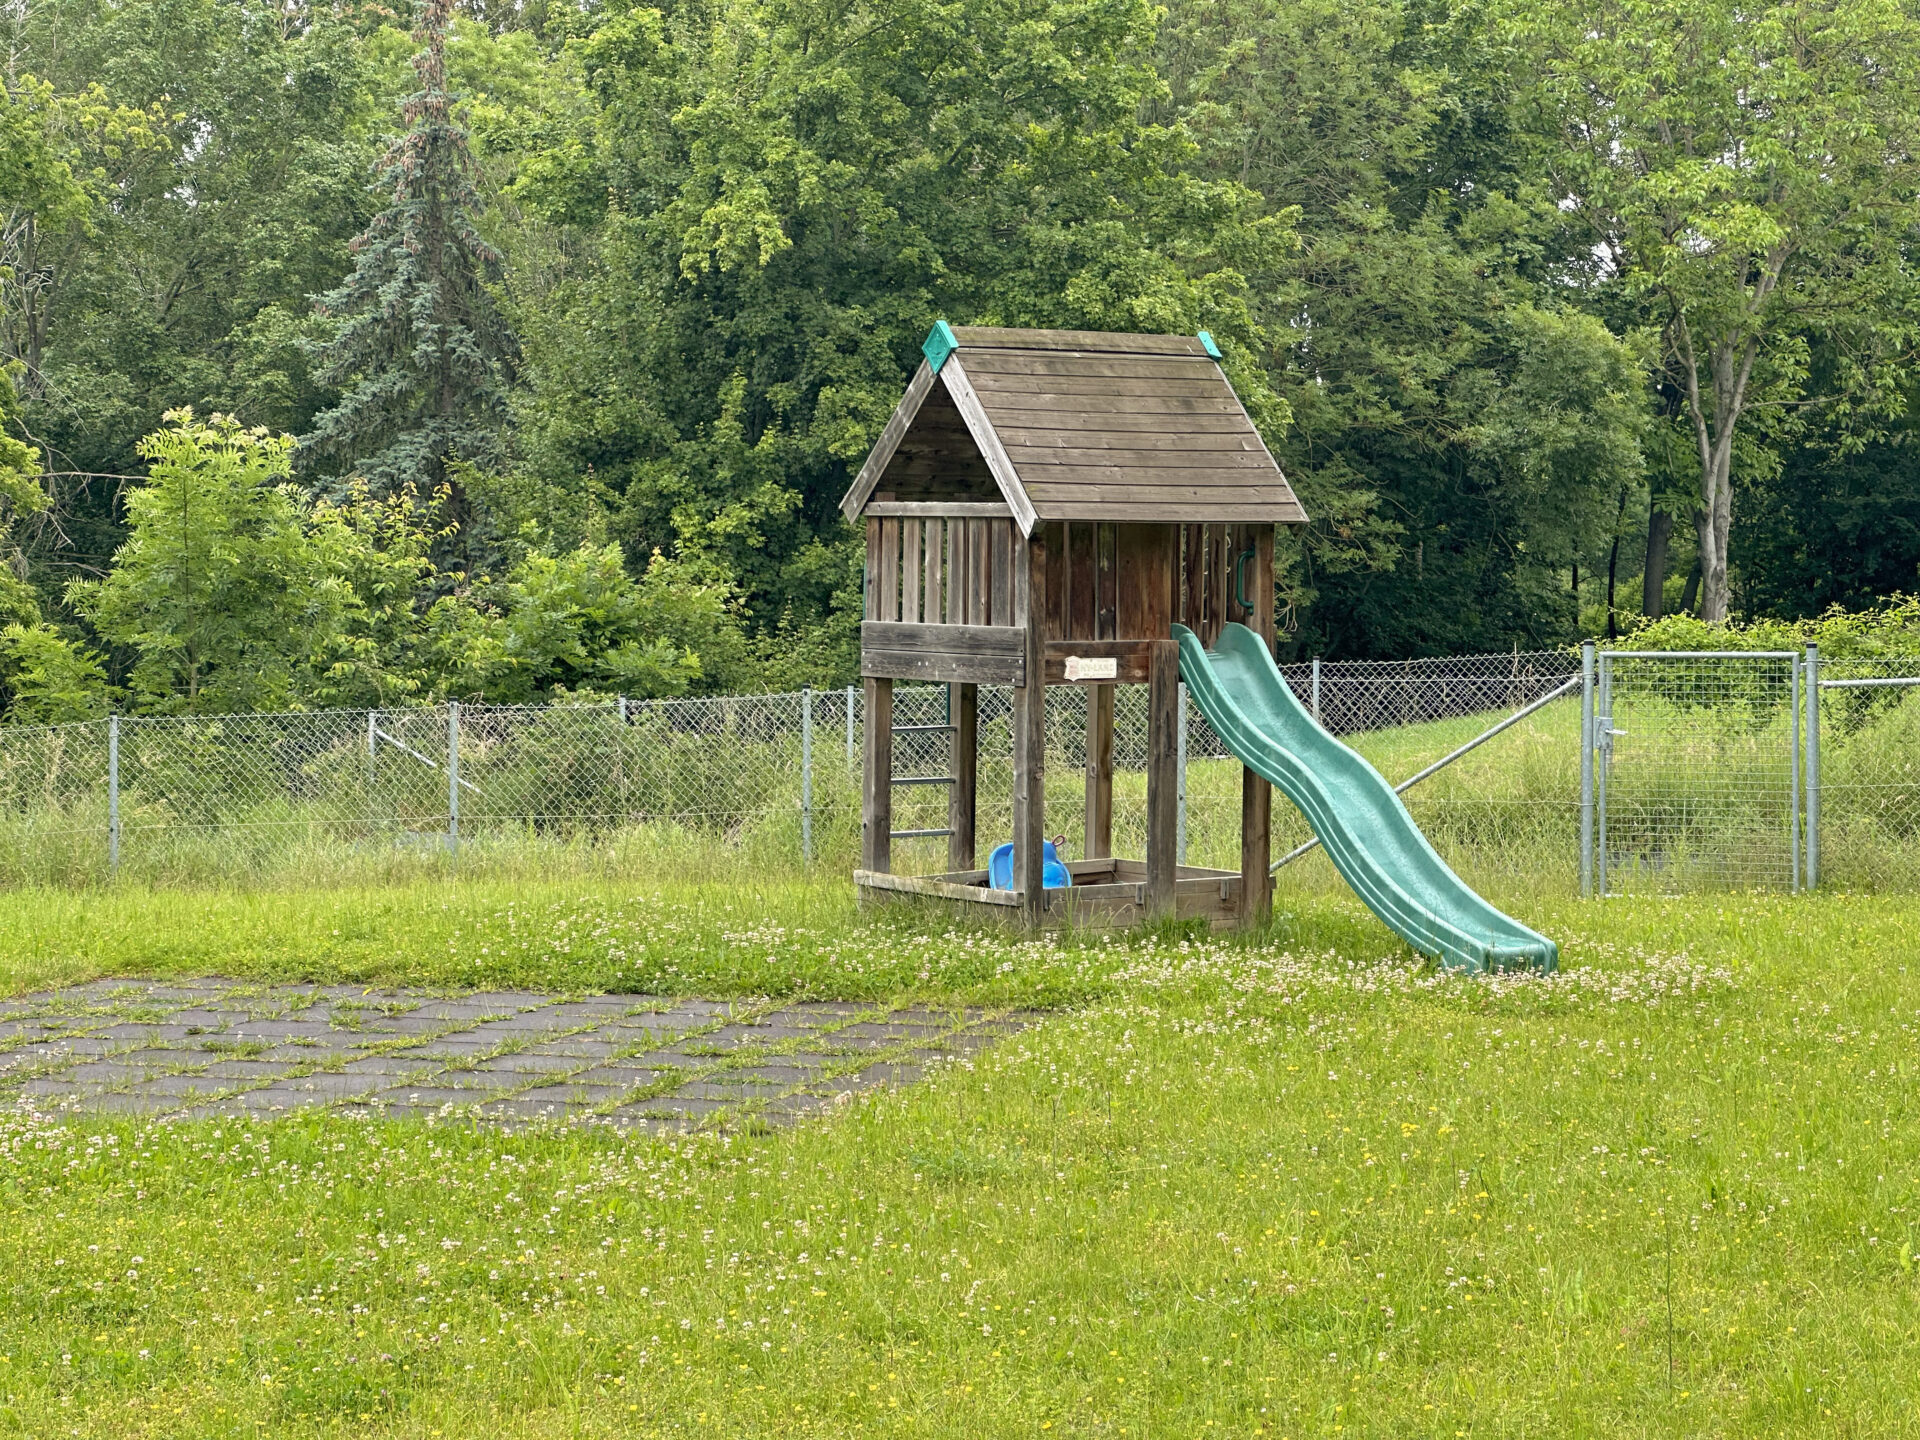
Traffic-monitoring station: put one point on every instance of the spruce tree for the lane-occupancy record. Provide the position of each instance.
(421, 352)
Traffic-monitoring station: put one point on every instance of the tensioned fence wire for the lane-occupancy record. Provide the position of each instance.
(221, 797)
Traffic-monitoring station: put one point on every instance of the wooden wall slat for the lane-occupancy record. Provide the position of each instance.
(1216, 578)
(980, 559)
(888, 575)
(1081, 586)
(1106, 616)
(1146, 564)
(870, 587)
(1055, 538)
(910, 571)
(1001, 580)
(932, 609)
(957, 572)
(1193, 577)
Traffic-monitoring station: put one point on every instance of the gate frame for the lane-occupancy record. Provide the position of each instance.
(1596, 755)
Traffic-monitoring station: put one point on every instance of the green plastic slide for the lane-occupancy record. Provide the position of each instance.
(1361, 822)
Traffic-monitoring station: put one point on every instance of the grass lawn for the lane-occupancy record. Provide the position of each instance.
(1297, 1186)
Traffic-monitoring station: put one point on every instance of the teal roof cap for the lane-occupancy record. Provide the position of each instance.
(939, 344)
(1206, 343)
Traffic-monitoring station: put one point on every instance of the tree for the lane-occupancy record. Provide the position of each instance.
(1461, 434)
(219, 592)
(221, 150)
(420, 347)
(1750, 172)
(767, 205)
(578, 623)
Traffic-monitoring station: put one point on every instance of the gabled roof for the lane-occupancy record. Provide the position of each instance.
(1078, 425)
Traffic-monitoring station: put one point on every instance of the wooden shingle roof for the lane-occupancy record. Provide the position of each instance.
(1076, 425)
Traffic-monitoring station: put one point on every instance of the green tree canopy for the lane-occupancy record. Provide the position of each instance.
(1752, 174)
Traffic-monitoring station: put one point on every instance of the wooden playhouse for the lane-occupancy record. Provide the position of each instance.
(1041, 509)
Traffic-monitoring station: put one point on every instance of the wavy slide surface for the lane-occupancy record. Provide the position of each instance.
(1365, 828)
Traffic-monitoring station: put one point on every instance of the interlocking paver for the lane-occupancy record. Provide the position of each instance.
(218, 1048)
(529, 1063)
(574, 1097)
(188, 1085)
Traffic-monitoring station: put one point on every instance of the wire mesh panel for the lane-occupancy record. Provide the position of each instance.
(1697, 783)
(1868, 713)
(53, 801)
(1351, 697)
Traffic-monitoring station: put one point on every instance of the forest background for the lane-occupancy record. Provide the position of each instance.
(516, 352)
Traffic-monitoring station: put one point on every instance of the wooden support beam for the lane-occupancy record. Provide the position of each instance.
(1030, 731)
(974, 654)
(962, 795)
(1099, 837)
(876, 779)
(940, 509)
(1256, 795)
(1163, 701)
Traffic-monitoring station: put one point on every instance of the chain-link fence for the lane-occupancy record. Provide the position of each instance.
(1864, 789)
(1699, 790)
(1696, 775)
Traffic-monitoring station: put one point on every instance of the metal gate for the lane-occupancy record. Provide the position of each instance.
(1690, 771)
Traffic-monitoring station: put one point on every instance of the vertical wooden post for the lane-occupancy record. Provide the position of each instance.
(1163, 779)
(1030, 731)
(1099, 771)
(963, 703)
(1256, 795)
(876, 780)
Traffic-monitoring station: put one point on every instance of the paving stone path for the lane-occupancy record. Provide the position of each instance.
(222, 1047)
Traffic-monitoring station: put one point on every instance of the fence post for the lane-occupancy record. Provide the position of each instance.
(113, 795)
(1586, 769)
(1180, 780)
(1316, 689)
(453, 776)
(1793, 773)
(806, 774)
(850, 753)
(1813, 766)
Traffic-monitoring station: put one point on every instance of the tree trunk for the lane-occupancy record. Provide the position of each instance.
(1692, 587)
(1613, 567)
(1653, 584)
(1712, 525)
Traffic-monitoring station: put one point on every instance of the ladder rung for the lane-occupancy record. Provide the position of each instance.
(918, 729)
(923, 779)
(919, 834)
